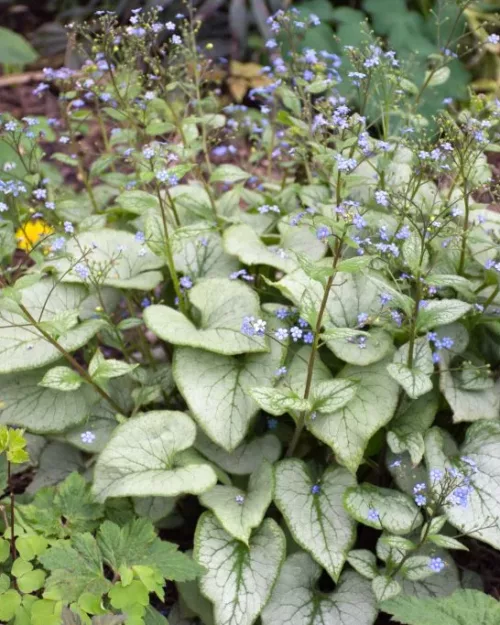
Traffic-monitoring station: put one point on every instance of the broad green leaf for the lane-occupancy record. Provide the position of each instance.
(296, 600)
(102, 369)
(438, 76)
(229, 174)
(385, 587)
(145, 458)
(191, 601)
(411, 423)
(317, 520)
(239, 578)
(31, 546)
(301, 241)
(15, 49)
(198, 252)
(416, 568)
(468, 405)
(223, 304)
(440, 312)
(22, 346)
(40, 409)
(354, 264)
(479, 518)
(138, 202)
(61, 379)
(349, 429)
(382, 508)
(154, 508)
(461, 608)
(101, 427)
(364, 562)
(415, 257)
(215, 389)
(239, 512)
(242, 241)
(362, 349)
(9, 603)
(56, 462)
(416, 380)
(246, 458)
(114, 257)
(330, 395)
(446, 542)
(277, 401)
(350, 295)
(75, 568)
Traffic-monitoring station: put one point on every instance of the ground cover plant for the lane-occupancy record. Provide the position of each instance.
(267, 334)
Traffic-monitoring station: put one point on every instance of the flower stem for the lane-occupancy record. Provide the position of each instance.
(314, 349)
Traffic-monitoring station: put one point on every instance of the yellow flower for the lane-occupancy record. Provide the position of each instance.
(31, 232)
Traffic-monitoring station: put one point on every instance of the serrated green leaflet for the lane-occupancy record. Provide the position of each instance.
(67, 509)
(239, 578)
(246, 457)
(136, 544)
(382, 508)
(42, 410)
(116, 259)
(480, 517)
(74, 569)
(223, 305)
(296, 601)
(416, 379)
(239, 512)
(215, 389)
(145, 458)
(22, 345)
(461, 608)
(317, 520)
(349, 429)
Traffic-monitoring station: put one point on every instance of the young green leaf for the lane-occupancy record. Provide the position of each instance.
(416, 380)
(239, 512)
